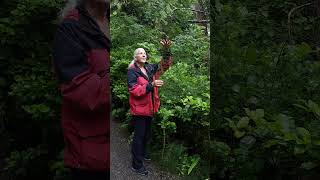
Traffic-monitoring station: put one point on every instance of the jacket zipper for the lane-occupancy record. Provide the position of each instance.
(152, 95)
(152, 102)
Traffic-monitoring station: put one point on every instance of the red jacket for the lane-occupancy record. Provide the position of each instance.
(81, 61)
(143, 97)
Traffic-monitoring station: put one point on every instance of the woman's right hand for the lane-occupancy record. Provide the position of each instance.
(157, 83)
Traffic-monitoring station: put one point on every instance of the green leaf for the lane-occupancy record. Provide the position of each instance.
(301, 106)
(303, 50)
(264, 13)
(304, 135)
(220, 148)
(219, 6)
(289, 136)
(248, 141)
(316, 142)
(308, 165)
(243, 123)
(243, 10)
(285, 122)
(227, 109)
(239, 134)
(270, 143)
(236, 88)
(260, 113)
(299, 149)
(251, 55)
(232, 125)
(43, 108)
(193, 165)
(250, 113)
(314, 107)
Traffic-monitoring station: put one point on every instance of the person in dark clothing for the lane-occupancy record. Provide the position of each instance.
(143, 83)
(81, 63)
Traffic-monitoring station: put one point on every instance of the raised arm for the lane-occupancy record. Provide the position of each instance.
(166, 60)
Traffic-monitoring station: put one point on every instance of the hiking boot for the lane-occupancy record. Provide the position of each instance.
(142, 171)
(147, 158)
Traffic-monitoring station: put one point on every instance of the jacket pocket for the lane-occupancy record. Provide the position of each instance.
(95, 153)
(141, 101)
(142, 109)
(93, 133)
(93, 124)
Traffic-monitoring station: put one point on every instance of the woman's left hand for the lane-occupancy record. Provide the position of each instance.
(166, 43)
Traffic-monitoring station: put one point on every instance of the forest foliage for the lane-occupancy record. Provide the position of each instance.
(265, 89)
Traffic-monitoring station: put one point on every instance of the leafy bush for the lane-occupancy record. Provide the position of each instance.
(30, 101)
(264, 80)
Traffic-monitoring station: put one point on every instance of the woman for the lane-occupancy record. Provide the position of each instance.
(143, 83)
(81, 62)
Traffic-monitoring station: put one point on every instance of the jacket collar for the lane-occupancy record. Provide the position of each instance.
(90, 26)
(140, 72)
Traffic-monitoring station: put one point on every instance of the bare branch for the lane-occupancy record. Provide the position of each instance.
(190, 10)
(199, 21)
(291, 12)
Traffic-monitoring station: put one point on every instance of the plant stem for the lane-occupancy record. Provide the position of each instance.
(164, 142)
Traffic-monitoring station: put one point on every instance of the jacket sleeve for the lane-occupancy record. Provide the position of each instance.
(78, 84)
(136, 89)
(164, 64)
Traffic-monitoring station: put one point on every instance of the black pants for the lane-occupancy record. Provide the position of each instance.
(77, 174)
(142, 135)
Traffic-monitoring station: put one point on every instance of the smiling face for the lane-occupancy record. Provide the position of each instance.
(140, 56)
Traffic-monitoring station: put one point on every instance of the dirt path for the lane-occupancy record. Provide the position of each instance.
(121, 159)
